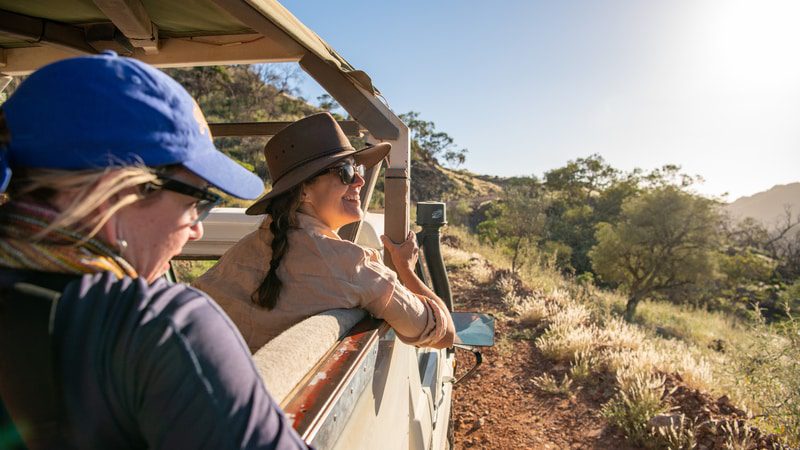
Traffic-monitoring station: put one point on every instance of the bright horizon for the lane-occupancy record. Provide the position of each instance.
(710, 85)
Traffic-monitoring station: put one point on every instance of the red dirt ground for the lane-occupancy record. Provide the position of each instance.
(501, 408)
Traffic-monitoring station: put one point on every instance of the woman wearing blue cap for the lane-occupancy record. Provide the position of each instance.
(107, 163)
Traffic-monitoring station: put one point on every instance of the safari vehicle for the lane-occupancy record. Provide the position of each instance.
(344, 379)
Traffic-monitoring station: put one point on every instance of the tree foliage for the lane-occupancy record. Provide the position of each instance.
(429, 144)
(517, 222)
(245, 93)
(582, 194)
(780, 243)
(588, 191)
(664, 239)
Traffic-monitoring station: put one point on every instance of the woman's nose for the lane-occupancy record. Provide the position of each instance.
(358, 180)
(196, 231)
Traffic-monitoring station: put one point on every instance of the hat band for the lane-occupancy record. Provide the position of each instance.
(306, 160)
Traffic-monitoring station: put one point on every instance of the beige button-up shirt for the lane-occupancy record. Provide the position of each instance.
(320, 271)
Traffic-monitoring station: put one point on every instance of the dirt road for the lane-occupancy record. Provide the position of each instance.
(501, 408)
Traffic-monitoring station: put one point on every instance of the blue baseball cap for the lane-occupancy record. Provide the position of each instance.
(110, 111)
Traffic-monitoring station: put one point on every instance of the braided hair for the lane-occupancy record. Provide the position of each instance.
(283, 210)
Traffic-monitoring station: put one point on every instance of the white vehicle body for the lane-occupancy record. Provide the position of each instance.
(346, 387)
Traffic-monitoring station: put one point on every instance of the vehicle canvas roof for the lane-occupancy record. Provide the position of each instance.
(172, 19)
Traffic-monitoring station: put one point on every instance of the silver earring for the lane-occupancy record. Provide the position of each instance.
(122, 244)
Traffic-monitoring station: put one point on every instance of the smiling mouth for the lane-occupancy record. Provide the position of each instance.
(352, 198)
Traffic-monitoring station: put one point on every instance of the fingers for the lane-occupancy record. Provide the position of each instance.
(410, 237)
(387, 243)
(408, 249)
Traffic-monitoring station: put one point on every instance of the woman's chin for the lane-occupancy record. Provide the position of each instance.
(154, 274)
(352, 212)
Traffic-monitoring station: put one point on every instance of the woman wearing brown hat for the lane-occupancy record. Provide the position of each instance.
(295, 265)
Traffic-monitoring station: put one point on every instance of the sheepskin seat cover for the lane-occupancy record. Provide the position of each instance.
(285, 360)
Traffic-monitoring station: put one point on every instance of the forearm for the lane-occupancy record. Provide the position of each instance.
(411, 281)
(438, 330)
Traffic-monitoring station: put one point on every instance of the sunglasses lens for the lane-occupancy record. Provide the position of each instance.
(203, 208)
(347, 173)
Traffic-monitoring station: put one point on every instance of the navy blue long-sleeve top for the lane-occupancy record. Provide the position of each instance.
(159, 366)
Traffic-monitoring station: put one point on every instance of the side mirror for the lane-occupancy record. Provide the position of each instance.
(473, 329)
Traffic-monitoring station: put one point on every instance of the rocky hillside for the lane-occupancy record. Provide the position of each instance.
(768, 206)
(432, 182)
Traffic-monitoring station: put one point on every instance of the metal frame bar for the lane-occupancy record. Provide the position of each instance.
(350, 128)
(131, 18)
(174, 52)
(36, 30)
(363, 106)
(251, 18)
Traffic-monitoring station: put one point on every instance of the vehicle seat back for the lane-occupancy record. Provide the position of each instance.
(284, 361)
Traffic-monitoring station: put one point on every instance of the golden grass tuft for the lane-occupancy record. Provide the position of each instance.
(638, 400)
(548, 383)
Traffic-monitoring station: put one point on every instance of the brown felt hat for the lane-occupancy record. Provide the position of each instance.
(306, 148)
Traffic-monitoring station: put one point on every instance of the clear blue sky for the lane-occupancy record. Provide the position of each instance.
(711, 85)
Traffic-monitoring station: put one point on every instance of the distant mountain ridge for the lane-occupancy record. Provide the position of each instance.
(767, 207)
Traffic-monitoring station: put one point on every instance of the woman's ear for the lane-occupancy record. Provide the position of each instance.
(305, 197)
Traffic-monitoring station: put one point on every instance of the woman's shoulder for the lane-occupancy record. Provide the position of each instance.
(339, 254)
(136, 302)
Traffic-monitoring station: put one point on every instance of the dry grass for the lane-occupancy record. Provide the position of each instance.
(548, 384)
(583, 366)
(737, 437)
(637, 401)
(677, 436)
(455, 258)
(188, 271)
(578, 323)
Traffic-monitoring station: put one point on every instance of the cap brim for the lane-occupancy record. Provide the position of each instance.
(368, 156)
(225, 174)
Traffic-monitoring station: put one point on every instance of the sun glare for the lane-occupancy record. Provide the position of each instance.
(750, 45)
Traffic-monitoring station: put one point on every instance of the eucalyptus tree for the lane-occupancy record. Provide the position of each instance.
(664, 239)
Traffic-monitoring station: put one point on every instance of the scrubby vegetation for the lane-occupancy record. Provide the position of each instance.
(668, 348)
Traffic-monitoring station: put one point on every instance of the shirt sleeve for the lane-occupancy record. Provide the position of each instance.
(417, 319)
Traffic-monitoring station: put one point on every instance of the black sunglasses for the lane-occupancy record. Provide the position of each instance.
(206, 200)
(348, 171)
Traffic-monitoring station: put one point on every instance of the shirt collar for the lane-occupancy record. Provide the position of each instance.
(314, 225)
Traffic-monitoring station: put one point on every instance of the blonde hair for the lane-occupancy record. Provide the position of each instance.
(89, 188)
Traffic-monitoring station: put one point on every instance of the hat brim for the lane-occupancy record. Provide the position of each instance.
(368, 156)
(225, 174)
